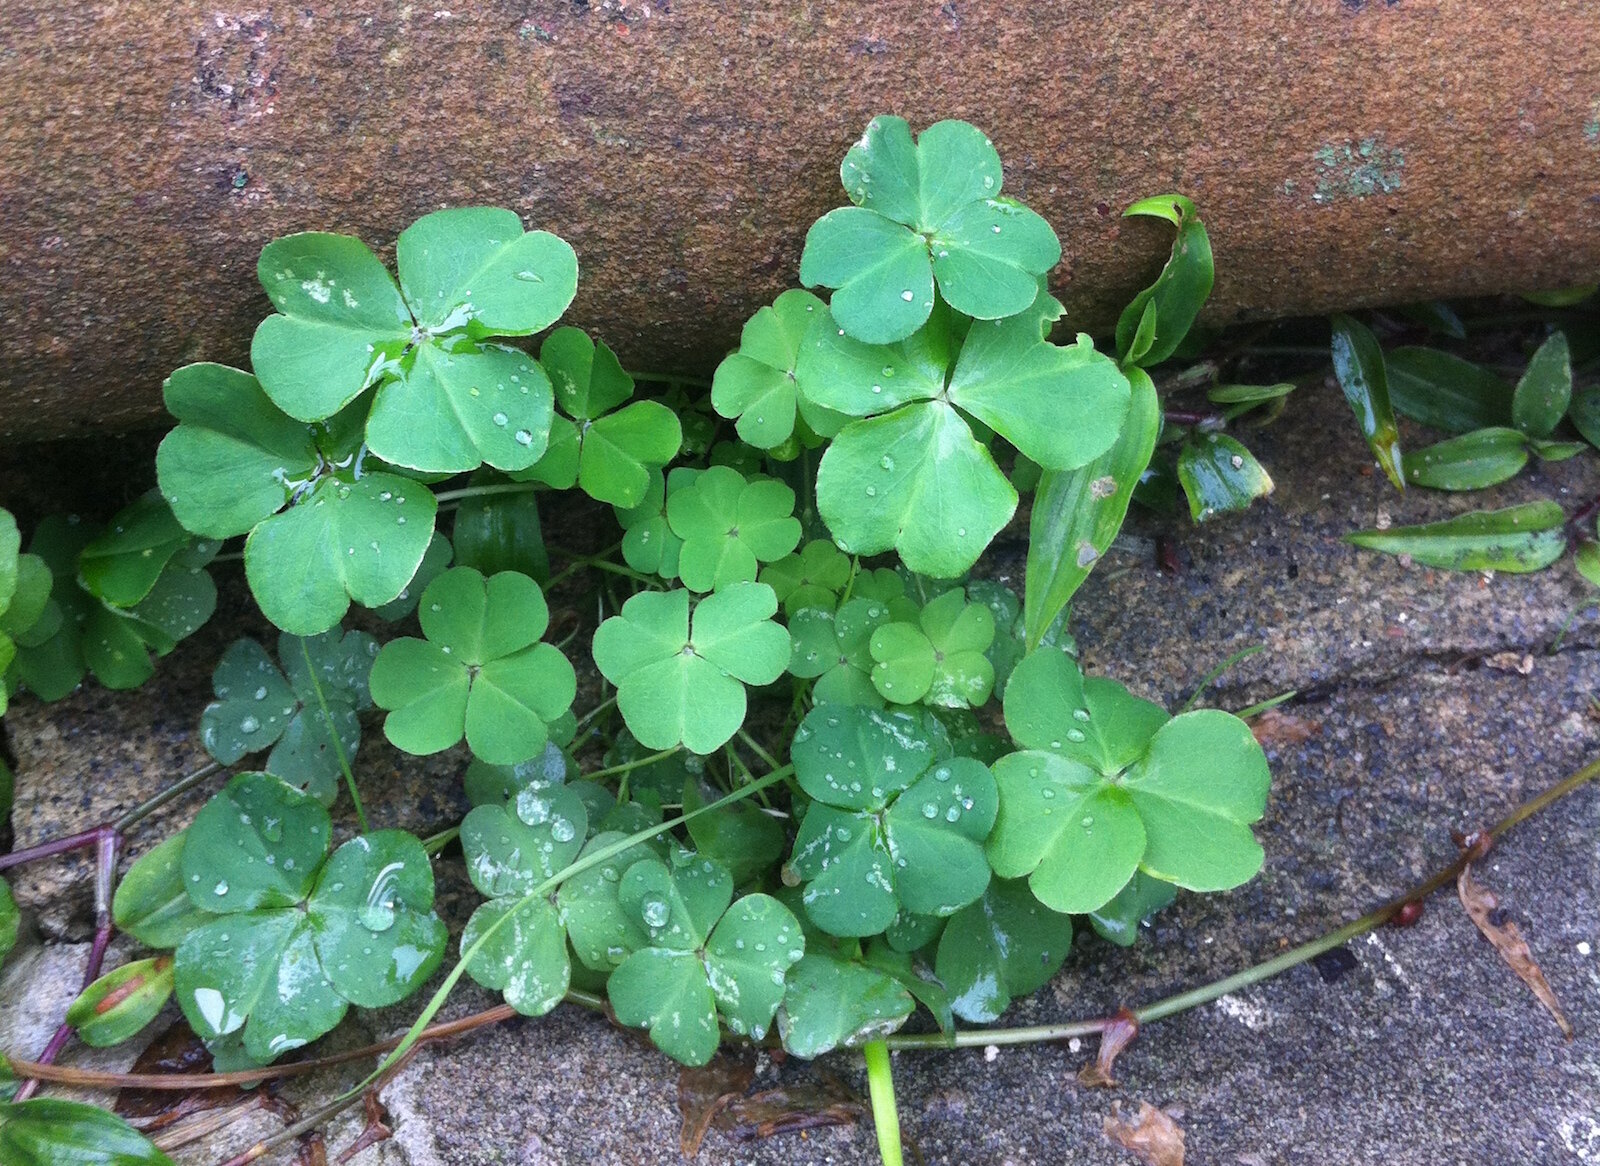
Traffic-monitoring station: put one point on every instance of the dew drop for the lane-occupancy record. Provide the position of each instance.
(1076, 736)
(952, 814)
(563, 830)
(1080, 714)
(500, 419)
(523, 437)
(249, 725)
(907, 295)
(221, 888)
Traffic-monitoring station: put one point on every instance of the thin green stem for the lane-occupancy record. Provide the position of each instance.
(880, 1088)
(333, 735)
(182, 785)
(434, 843)
(630, 766)
(754, 746)
(1271, 702)
(1205, 681)
(594, 712)
(600, 564)
(1194, 997)
(449, 496)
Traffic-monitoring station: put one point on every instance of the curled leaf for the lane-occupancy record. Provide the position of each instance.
(1363, 375)
(1116, 1036)
(1153, 1137)
(1156, 321)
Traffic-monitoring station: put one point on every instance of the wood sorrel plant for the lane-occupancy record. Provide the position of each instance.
(944, 789)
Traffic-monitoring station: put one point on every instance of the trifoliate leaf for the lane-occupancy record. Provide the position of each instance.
(813, 577)
(925, 210)
(677, 687)
(835, 649)
(481, 672)
(589, 381)
(729, 525)
(648, 543)
(294, 936)
(1005, 945)
(896, 826)
(757, 382)
(940, 660)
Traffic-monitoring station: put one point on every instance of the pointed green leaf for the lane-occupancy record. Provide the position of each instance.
(152, 903)
(1444, 392)
(1179, 291)
(1517, 539)
(1359, 364)
(1545, 390)
(1472, 461)
(49, 1132)
(1076, 514)
(118, 1005)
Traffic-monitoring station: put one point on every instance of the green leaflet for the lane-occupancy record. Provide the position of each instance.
(1517, 539)
(682, 685)
(1077, 514)
(481, 673)
(757, 383)
(835, 650)
(926, 211)
(813, 577)
(1359, 364)
(829, 1003)
(1157, 319)
(1005, 945)
(152, 903)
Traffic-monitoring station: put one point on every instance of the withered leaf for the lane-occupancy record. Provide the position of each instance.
(1275, 728)
(177, 1050)
(704, 1092)
(1152, 1136)
(1481, 904)
(789, 1109)
(1117, 1036)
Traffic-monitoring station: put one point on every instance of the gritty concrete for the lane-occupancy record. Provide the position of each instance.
(1343, 152)
(1419, 1049)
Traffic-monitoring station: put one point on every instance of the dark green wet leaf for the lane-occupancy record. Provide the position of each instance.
(1472, 461)
(1545, 390)
(1179, 291)
(501, 532)
(740, 837)
(1220, 475)
(1363, 374)
(1446, 392)
(49, 1132)
(10, 920)
(1005, 945)
(1584, 413)
(829, 1003)
(1119, 919)
(1517, 539)
(152, 903)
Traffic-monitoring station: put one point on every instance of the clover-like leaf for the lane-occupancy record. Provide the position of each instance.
(648, 543)
(618, 448)
(895, 826)
(925, 211)
(524, 957)
(829, 1003)
(704, 956)
(294, 936)
(1094, 720)
(1181, 811)
(1005, 945)
(361, 540)
(681, 686)
(510, 849)
(835, 649)
(915, 481)
(311, 734)
(729, 525)
(939, 660)
(481, 672)
(757, 383)
(812, 577)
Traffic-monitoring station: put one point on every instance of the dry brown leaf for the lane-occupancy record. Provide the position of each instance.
(1518, 662)
(805, 1105)
(1275, 728)
(1481, 905)
(1117, 1036)
(706, 1091)
(1152, 1136)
